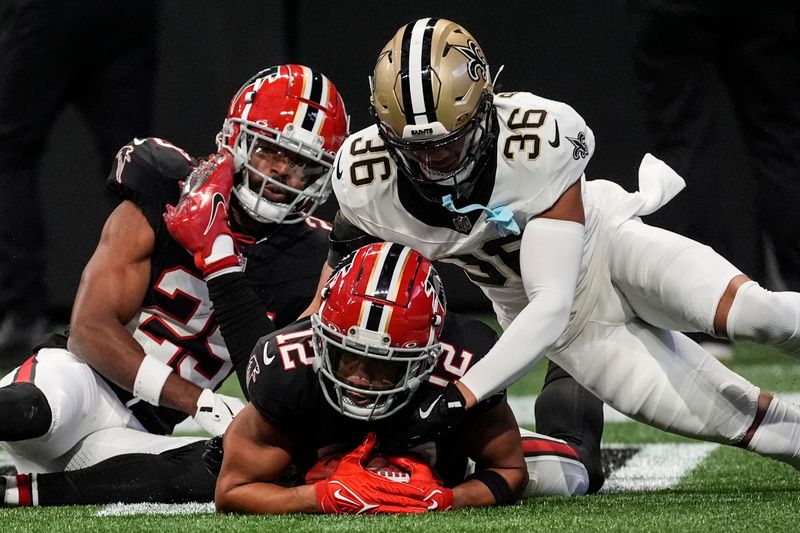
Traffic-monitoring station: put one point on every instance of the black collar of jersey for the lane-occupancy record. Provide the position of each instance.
(435, 214)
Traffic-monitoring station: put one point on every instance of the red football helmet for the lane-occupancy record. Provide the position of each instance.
(376, 335)
(297, 115)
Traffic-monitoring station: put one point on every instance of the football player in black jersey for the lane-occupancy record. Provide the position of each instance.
(146, 348)
(323, 384)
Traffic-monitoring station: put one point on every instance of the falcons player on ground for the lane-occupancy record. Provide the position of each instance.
(146, 349)
(321, 385)
(495, 183)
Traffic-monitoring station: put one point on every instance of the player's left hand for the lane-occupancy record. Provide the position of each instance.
(424, 479)
(216, 411)
(437, 412)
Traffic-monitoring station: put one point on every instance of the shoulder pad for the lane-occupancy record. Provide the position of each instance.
(147, 171)
(280, 376)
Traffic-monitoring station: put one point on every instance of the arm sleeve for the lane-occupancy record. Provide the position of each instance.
(550, 259)
(241, 317)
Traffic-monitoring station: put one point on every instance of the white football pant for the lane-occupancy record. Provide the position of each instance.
(89, 423)
(629, 356)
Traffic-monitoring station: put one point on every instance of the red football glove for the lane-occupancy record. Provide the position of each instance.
(200, 221)
(423, 478)
(352, 489)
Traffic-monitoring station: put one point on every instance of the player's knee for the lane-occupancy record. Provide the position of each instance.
(554, 467)
(24, 412)
(764, 316)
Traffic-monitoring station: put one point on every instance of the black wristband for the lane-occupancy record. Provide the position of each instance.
(497, 485)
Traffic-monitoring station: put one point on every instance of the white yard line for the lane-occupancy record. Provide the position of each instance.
(124, 509)
(656, 467)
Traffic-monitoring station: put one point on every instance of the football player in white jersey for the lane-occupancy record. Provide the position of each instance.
(495, 184)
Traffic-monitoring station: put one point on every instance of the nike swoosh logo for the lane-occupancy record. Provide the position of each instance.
(267, 358)
(217, 201)
(434, 504)
(138, 142)
(338, 172)
(339, 496)
(427, 412)
(354, 501)
(557, 141)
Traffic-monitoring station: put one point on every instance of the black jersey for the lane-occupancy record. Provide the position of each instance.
(176, 323)
(284, 388)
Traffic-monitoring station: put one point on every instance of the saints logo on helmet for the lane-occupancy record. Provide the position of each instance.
(376, 335)
(432, 98)
(292, 115)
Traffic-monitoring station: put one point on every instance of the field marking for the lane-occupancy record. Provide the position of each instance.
(656, 466)
(165, 509)
(653, 467)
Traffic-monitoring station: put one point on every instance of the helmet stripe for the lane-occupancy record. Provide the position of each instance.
(257, 83)
(315, 92)
(389, 267)
(418, 103)
(373, 317)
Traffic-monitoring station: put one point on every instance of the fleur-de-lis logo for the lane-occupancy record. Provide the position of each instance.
(476, 68)
(579, 144)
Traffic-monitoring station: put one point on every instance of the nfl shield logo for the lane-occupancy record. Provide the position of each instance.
(462, 224)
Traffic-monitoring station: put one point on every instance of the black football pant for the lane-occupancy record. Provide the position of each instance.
(567, 411)
(174, 476)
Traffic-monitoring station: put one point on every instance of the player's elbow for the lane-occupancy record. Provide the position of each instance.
(224, 500)
(79, 341)
(517, 482)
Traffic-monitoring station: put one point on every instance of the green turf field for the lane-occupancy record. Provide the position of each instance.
(669, 483)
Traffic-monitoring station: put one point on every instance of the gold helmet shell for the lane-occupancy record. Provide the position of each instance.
(431, 71)
(431, 95)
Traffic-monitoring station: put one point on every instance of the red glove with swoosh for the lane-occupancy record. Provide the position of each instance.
(199, 223)
(352, 489)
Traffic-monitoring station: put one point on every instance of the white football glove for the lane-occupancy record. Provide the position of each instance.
(216, 411)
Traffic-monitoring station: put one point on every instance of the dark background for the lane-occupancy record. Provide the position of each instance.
(574, 51)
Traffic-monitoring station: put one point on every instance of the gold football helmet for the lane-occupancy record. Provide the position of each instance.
(432, 98)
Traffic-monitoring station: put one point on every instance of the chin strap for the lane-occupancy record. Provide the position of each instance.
(502, 216)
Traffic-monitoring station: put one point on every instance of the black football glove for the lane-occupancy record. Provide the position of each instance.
(436, 413)
(212, 456)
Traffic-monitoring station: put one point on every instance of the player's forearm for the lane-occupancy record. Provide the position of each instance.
(242, 318)
(111, 351)
(265, 498)
(521, 346)
(108, 348)
(551, 255)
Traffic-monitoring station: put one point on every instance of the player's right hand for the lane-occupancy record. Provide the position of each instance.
(216, 411)
(199, 222)
(438, 411)
(352, 489)
(213, 454)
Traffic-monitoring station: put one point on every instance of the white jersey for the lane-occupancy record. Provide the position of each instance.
(543, 147)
